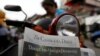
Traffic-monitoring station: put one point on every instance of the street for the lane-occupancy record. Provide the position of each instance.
(89, 44)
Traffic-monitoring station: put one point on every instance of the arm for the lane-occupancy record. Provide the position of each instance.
(40, 29)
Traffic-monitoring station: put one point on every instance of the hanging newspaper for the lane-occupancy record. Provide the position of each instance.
(38, 44)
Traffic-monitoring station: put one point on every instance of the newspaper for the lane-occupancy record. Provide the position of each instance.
(38, 44)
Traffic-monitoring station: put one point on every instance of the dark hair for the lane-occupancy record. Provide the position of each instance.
(81, 2)
(49, 3)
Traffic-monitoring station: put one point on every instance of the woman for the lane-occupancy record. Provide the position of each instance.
(4, 32)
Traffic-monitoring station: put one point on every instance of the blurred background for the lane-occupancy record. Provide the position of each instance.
(88, 14)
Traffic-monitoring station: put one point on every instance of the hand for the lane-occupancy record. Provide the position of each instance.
(38, 28)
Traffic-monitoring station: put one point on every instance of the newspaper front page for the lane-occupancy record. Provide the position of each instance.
(38, 44)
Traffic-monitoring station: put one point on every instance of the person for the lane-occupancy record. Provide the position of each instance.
(4, 32)
(52, 11)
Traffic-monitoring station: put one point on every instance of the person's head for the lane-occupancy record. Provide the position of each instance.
(2, 16)
(50, 6)
(75, 5)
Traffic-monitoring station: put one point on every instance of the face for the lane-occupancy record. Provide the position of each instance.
(50, 9)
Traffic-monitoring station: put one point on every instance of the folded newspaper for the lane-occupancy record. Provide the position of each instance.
(38, 44)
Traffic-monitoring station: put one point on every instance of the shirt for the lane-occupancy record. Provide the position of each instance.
(3, 31)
